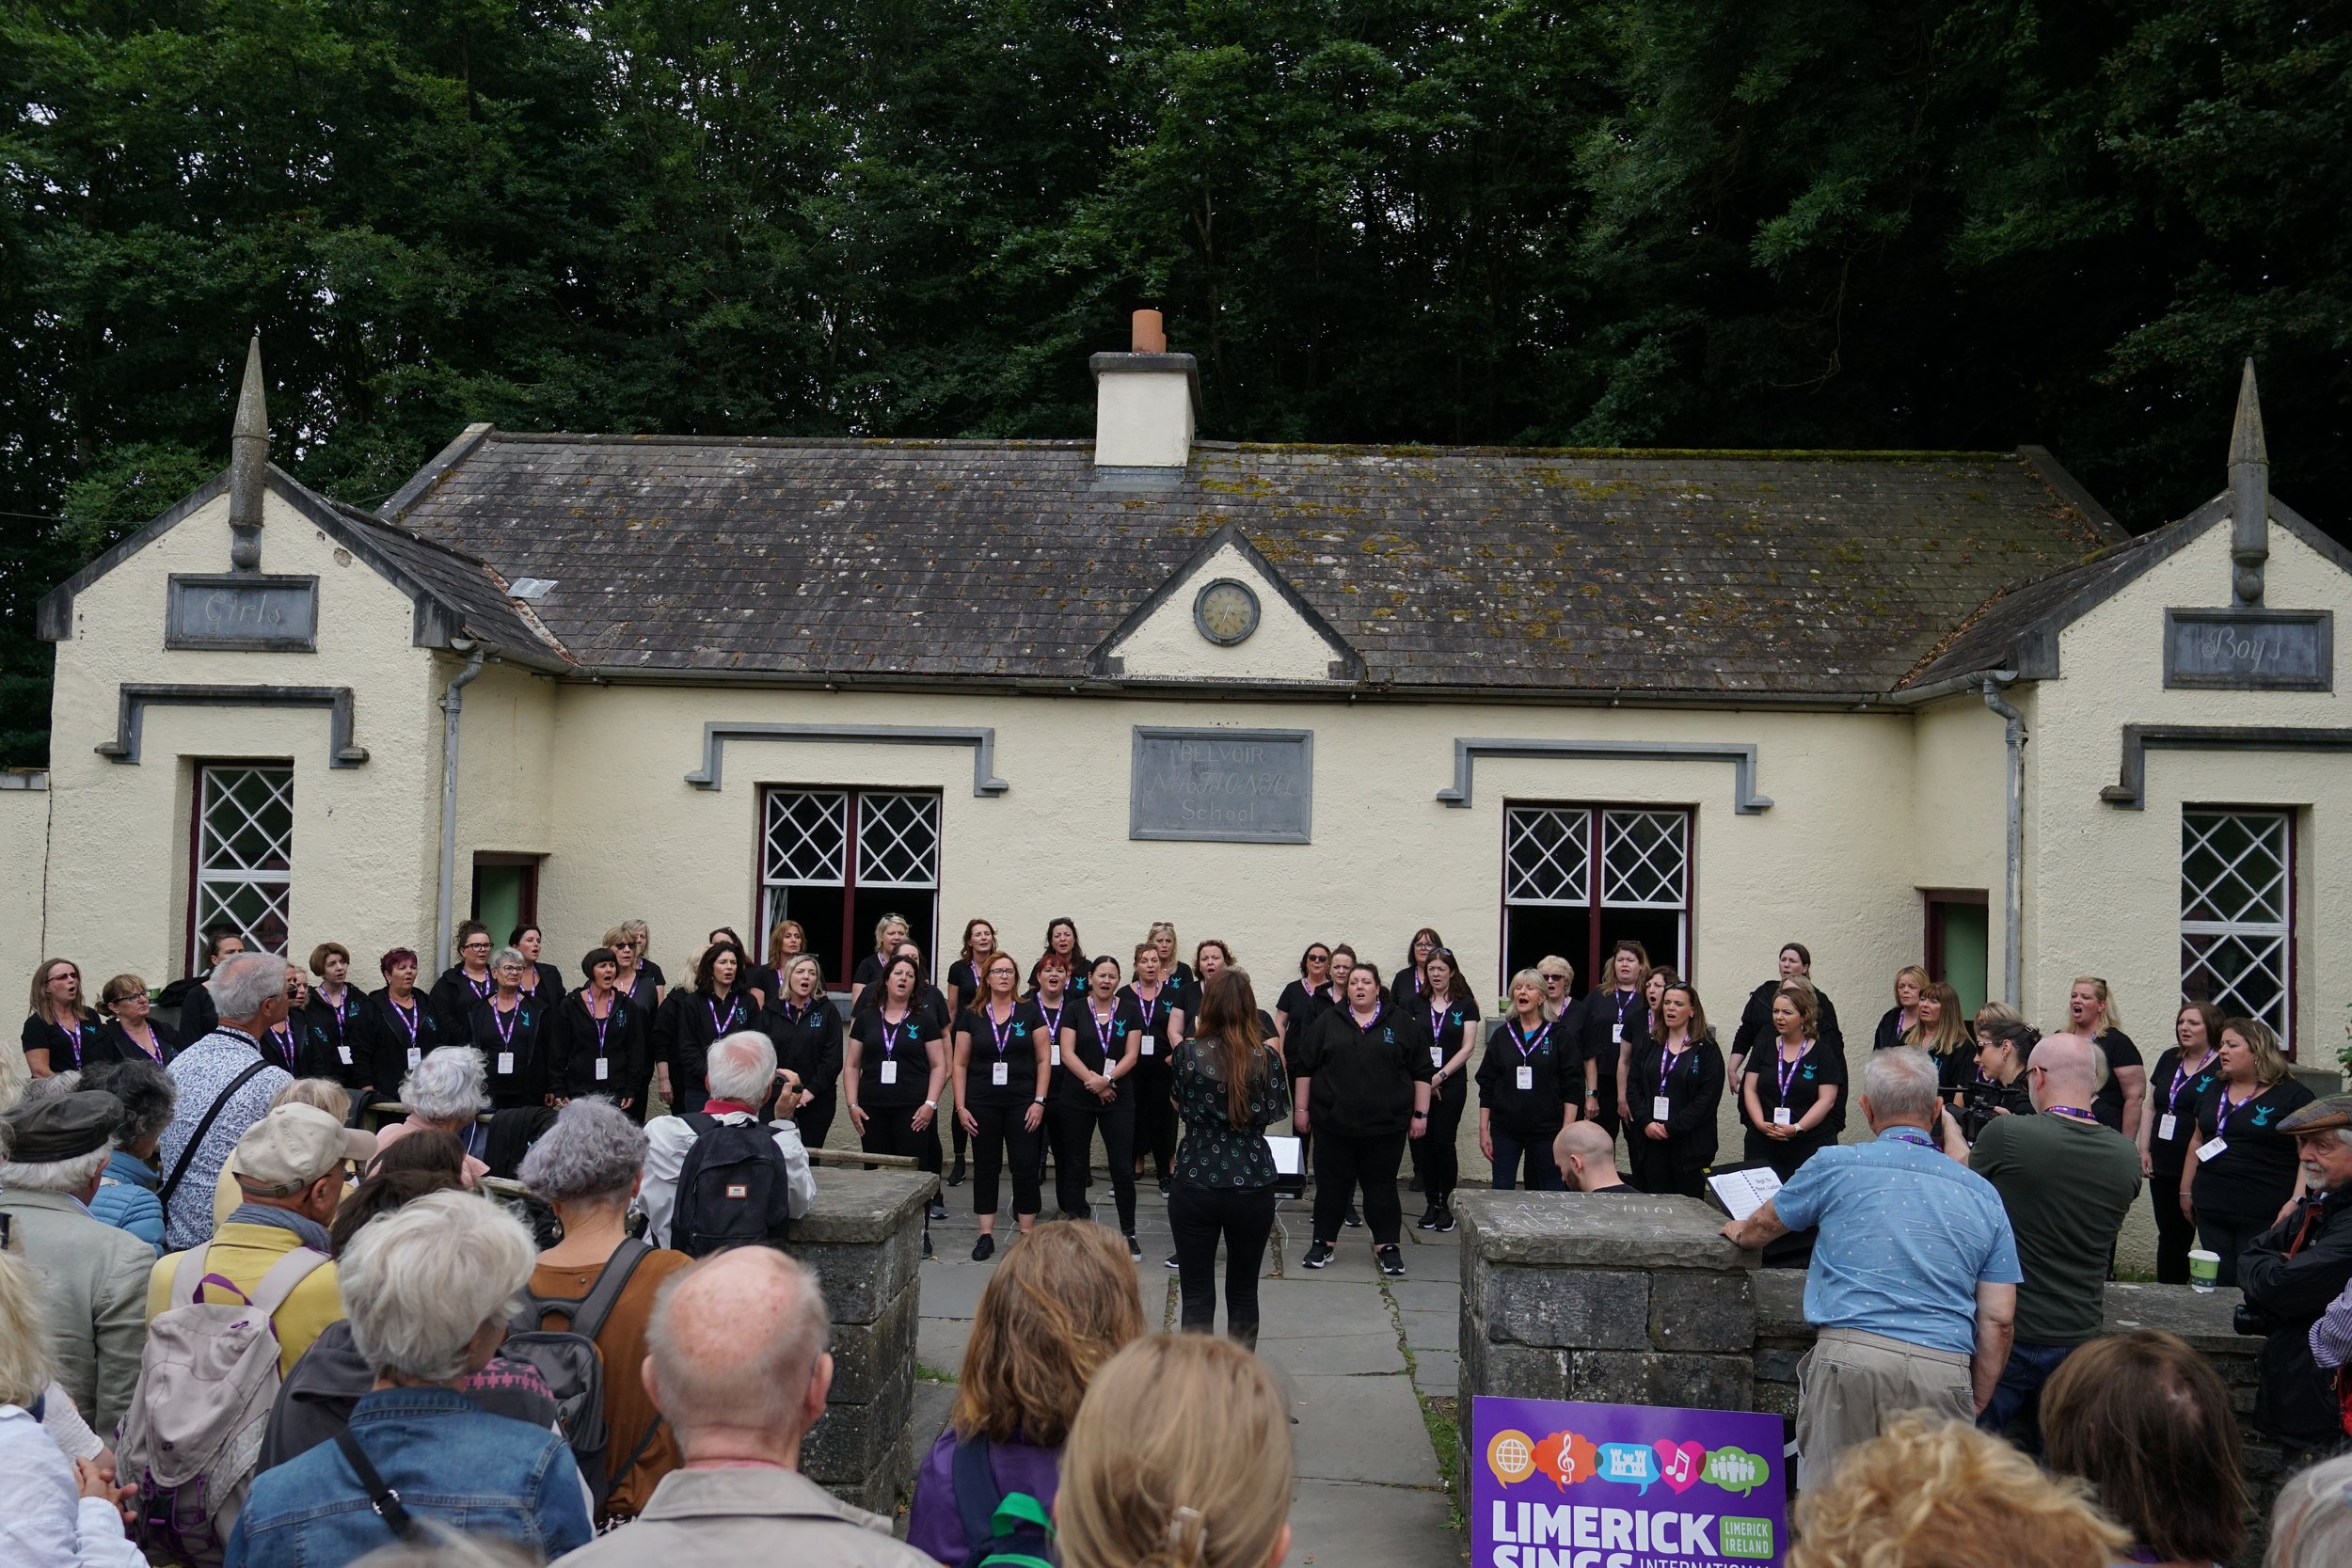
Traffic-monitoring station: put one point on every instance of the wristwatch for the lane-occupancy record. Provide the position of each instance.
(1039, 1100)
(930, 1104)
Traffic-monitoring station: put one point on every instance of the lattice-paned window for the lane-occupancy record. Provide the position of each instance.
(1645, 859)
(2237, 915)
(1548, 854)
(898, 840)
(837, 860)
(244, 855)
(807, 838)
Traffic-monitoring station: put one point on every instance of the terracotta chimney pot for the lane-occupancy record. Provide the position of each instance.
(1151, 333)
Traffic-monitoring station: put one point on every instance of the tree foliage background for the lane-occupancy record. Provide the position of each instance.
(1845, 223)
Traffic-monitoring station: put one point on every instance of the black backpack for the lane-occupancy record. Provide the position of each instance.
(574, 1368)
(1001, 1530)
(734, 1189)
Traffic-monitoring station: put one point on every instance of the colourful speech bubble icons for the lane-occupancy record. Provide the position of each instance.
(1566, 1457)
(1735, 1470)
(1634, 1463)
(1511, 1455)
(1678, 1464)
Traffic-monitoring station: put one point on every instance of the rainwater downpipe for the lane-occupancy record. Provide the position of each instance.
(2013, 915)
(452, 702)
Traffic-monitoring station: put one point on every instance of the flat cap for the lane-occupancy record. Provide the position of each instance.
(62, 1127)
(2320, 1116)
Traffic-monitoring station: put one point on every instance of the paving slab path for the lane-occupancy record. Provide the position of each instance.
(1370, 1365)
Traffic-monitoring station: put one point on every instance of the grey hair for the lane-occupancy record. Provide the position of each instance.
(147, 1094)
(419, 1282)
(741, 1066)
(592, 1154)
(750, 1370)
(57, 1176)
(1535, 977)
(244, 983)
(509, 955)
(51, 1087)
(1901, 1083)
(446, 1086)
(2310, 1527)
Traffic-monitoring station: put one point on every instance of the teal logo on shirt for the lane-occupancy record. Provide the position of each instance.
(2261, 1114)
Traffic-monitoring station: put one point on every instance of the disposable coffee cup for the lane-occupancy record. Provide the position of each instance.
(2204, 1269)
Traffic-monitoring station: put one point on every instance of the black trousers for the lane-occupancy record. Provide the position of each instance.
(1341, 1163)
(2229, 1234)
(1003, 1138)
(2175, 1231)
(1075, 1127)
(889, 1130)
(1435, 1161)
(1155, 1111)
(815, 1120)
(1242, 1218)
(1676, 1165)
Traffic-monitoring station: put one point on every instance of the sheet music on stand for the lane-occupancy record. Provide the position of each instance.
(1742, 1190)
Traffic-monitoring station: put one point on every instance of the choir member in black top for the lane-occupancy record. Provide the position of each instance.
(640, 979)
(1304, 997)
(891, 932)
(806, 1029)
(541, 980)
(331, 1025)
(1608, 1026)
(399, 1027)
(1793, 1089)
(1162, 1024)
(963, 989)
(1360, 1083)
(1910, 984)
(282, 1042)
(1939, 1028)
(59, 1026)
(788, 942)
(1001, 1066)
(465, 982)
(1061, 936)
(2091, 1013)
(1676, 1084)
(1755, 1019)
(601, 1040)
(1100, 1035)
(130, 1033)
(195, 1015)
(895, 1067)
(1529, 1083)
(511, 1030)
(2242, 1175)
(1412, 977)
(2183, 1075)
(1451, 1012)
(695, 1019)
(1173, 970)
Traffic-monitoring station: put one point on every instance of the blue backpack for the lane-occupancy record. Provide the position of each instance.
(1001, 1530)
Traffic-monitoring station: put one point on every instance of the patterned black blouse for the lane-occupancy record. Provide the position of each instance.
(1214, 1152)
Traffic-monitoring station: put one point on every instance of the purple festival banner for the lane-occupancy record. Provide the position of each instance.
(1555, 1484)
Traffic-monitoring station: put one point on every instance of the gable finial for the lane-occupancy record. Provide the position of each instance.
(248, 462)
(2250, 494)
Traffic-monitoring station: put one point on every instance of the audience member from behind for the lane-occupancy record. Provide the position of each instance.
(1929, 1494)
(1586, 1156)
(55, 1511)
(224, 1088)
(1914, 1279)
(427, 1289)
(126, 1191)
(2310, 1525)
(2291, 1273)
(2145, 1422)
(586, 1168)
(446, 1091)
(1180, 1458)
(1061, 1303)
(738, 1369)
(2066, 1182)
(92, 1277)
(321, 1093)
(739, 1073)
(291, 1165)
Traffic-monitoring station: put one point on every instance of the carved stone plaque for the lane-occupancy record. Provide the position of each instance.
(1233, 787)
(2251, 650)
(252, 614)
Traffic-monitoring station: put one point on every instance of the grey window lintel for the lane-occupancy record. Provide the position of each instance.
(2130, 789)
(134, 700)
(982, 741)
(1744, 799)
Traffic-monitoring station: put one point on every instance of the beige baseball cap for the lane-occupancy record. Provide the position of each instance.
(293, 1147)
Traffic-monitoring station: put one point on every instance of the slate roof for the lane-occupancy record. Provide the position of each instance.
(2017, 628)
(1708, 574)
(470, 590)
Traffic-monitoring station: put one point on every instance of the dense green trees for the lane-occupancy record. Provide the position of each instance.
(1710, 222)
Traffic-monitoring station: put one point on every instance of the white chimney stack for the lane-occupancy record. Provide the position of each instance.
(1144, 402)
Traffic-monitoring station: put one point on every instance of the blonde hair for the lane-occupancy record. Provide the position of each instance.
(1918, 976)
(1059, 1305)
(1180, 1458)
(1951, 1030)
(321, 1093)
(793, 966)
(2270, 1063)
(121, 989)
(2109, 1017)
(1802, 997)
(1994, 1014)
(23, 1334)
(40, 1007)
(1942, 1494)
(1535, 977)
(883, 944)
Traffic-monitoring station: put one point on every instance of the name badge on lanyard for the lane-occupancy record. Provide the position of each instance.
(1526, 1076)
(1000, 1070)
(2167, 1127)
(2212, 1148)
(1658, 1111)
(890, 1045)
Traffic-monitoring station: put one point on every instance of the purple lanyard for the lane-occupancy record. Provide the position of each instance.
(480, 989)
(1105, 1028)
(890, 1030)
(605, 1022)
(412, 1019)
(1527, 1047)
(1148, 1008)
(282, 1038)
(1002, 1032)
(1906, 1136)
(506, 1022)
(784, 1006)
(2180, 1080)
(1436, 1022)
(1787, 1071)
(1669, 1060)
(1625, 1000)
(734, 1009)
(2224, 1111)
(1053, 1020)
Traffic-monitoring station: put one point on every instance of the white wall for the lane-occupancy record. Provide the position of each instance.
(24, 857)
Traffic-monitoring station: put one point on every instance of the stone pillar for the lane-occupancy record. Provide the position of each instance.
(1616, 1298)
(864, 1239)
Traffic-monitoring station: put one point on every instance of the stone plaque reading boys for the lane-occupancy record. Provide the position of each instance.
(1238, 786)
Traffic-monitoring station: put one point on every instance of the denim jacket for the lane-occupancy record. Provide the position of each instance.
(451, 1462)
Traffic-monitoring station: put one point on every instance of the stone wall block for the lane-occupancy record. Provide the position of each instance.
(1652, 1377)
(1576, 1309)
(1702, 1312)
(852, 1446)
(1514, 1371)
(867, 1355)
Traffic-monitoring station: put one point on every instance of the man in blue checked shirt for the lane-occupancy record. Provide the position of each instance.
(1913, 1281)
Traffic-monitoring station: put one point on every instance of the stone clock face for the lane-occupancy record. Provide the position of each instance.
(1226, 612)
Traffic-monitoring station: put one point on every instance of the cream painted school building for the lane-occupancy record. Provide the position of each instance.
(1931, 707)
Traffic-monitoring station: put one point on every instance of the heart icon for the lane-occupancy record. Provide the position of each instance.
(1679, 1465)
